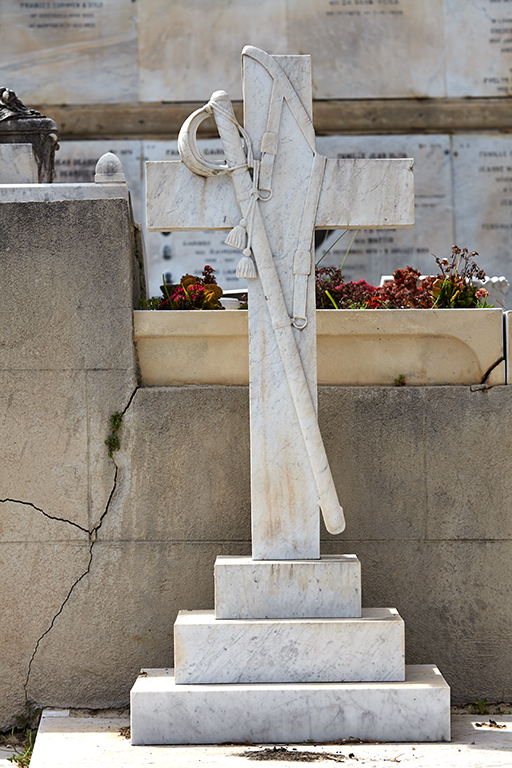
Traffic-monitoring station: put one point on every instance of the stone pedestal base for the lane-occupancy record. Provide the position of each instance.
(209, 650)
(328, 588)
(165, 713)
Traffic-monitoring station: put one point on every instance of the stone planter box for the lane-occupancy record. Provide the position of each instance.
(355, 347)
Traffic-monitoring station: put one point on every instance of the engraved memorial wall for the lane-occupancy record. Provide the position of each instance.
(463, 194)
(478, 39)
(388, 52)
(72, 52)
(116, 51)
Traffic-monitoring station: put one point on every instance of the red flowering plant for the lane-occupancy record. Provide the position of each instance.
(333, 293)
(192, 293)
(451, 288)
(406, 291)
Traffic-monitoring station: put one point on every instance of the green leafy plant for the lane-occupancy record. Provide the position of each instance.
(23, 750)
(453, 287)
(480, 706)
(30, 716)
(112, 441)
(22, 738)
(400, 381)
(152, 303)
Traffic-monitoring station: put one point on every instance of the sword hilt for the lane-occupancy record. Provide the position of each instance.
(221, 107)
(227, 125)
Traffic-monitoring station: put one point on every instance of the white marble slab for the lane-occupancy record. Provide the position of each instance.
(369, 48)
(376, 252)
(478, 39)
(17, 164)
(289, 469)
(197, 202)
(210, 650)
(165, 713)
(175, 254)
(189, 50)
(374, 190)
(287, 589)
(285, 513)
(69, 52)
(483, 199)
(359, 193)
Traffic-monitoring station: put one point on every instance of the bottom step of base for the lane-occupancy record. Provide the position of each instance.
(268, 713)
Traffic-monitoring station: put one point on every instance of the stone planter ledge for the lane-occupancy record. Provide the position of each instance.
(355, 347)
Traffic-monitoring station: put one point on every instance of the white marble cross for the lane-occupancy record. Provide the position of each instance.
(274, 190)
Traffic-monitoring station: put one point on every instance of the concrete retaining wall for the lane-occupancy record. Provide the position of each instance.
(97, 555)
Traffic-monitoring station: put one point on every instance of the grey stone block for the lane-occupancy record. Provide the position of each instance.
(108, 392)
(36, 578)
(186, 450)
(374, 441)
(66, 292)
(66, 364)
(455, 600)
(44, 442)
(120, 618)
(23, 522)
(468, 443)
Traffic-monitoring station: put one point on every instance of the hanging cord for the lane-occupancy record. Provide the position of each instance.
(213, 107)
(240, 236)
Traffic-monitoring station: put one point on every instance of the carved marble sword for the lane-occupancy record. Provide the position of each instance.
(281, 322)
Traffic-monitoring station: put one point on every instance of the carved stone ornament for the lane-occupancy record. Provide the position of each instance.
(21, 125)
(11, 106)
(272, 191)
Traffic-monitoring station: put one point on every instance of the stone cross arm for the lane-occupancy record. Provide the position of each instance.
(355, 194)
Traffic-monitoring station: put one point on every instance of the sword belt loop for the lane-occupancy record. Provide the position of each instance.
(269, 142)
(302, 262)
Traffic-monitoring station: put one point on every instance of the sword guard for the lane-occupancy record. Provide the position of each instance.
(189, 151)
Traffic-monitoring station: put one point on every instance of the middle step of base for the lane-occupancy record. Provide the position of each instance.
(209, 650)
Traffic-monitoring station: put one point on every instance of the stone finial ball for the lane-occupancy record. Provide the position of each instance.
(109, 170)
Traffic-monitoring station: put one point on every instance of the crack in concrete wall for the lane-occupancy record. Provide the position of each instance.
(93, 537)
(38, 509)
(491, 368)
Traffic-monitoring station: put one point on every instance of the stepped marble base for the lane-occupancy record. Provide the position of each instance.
(209, 650)
(328, 588)
(165, 713)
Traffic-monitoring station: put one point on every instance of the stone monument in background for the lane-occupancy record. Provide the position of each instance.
(35, 138)
(288, 654)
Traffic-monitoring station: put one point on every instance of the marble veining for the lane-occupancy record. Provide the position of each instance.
(17, 164)
(326, 588)
(209, 650)
(165, 713)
